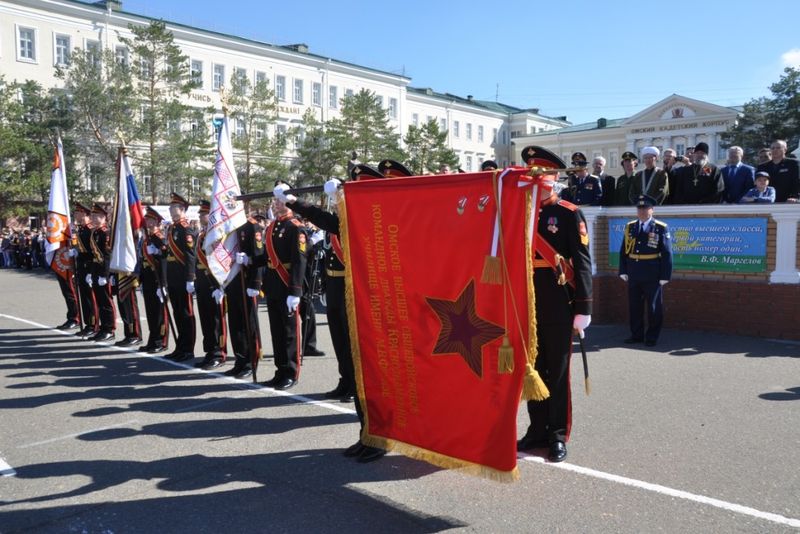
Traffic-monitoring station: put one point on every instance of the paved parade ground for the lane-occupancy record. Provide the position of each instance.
(698, 434)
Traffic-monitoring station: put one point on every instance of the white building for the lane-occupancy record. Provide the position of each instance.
(37, 35)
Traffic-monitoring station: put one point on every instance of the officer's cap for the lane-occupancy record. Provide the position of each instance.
(78, 207)
(537, 156)
(150, 213)
(645, 201)
(177, 199)
(99, 208)
(650, 150)
(629, 155)
(364, 172)
(205, 207)
(489, 165)
(579, 159)
(392, 169)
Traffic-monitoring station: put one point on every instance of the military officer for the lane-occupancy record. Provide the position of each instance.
(82, 254)
(125, 286)
(179, 274)
(100, 246)
(585, 189)
(210, 303)
(153, 247)
(562, 279)
(645, 263)
(651, 181)
(489, 165)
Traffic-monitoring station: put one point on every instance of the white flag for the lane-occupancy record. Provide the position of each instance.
(226, 215)
(123, 240)
(58, 216)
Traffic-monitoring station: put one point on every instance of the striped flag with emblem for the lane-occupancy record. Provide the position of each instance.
(58, 219)
(127, 218)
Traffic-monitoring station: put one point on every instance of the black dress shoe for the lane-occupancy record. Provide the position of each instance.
(244, 373)
(349, 397)
(558, 452)
(313, 352)
(284, 384)
(184, 357)
(86, 331)
(157, 349)
(271, 382)
(68, 325)
(102, 336)
(128, 342)
(212, 364)
(529, 442)
(121, 342)
(633, 340)
(233, 371)
(650, 343)
(336, 392)
(146, 348)
(354, 450)
(370, 454)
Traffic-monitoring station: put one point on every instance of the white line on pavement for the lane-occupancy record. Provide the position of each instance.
(75, 435)
(640, 484)
(6, 470)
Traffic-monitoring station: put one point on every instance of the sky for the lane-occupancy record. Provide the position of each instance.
(578, 58)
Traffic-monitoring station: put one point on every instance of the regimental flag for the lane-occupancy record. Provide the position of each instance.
(226, 215)
(441, 349)
(128, 218)
(58, 217)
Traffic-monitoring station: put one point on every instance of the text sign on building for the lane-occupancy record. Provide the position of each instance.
(720, 244)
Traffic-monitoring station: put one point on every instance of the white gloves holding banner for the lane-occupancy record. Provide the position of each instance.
(73, 253)
(218, 295)
(161, 293)
(581, 323)
(280, 193)
(153, 250)
(242, 258)
(624, 277)
(190, 287)
(663, 282)
(292, 303)
(252, 292)
(101, 281)
(89, 280)
(331, 186)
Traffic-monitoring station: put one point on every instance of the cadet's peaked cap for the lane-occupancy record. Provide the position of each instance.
(177, 199)
(205, 207)
(99, 208)
(541, 157)
(364, 172)
(650, 150)
(579, 159)
(629, 155)
(489, 165)
(701, 147)
(645, 201)
(392, 169)
(150, 213)
(762, 174)
(80, 207)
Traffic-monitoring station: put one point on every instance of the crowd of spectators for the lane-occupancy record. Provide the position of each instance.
(22, 249)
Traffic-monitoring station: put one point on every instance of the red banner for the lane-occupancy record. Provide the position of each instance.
(440, 302)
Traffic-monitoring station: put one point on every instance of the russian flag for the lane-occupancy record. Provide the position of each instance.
(128, 218)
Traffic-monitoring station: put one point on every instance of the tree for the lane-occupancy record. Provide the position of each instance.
(315, 161)
(427, 148)
(254, 110)
(363, 127)
(768, 118)
(160, 74)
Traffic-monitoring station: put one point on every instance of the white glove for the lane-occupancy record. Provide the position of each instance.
(242, 258)
(113, 281)
(280, 193)
(218, 295)
(663, 282)
(101, 281)
(581, 323)
(317, 236)
(190, 287)
(73, 253)
(161, 293)
(624, 277)
(89, 280)
(292, 303)
(153, 250)
(331, 186)
(252, 292)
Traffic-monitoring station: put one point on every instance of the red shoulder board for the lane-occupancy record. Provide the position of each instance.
(297, 223)
(569, 205)
(252, 220)
(184, 223)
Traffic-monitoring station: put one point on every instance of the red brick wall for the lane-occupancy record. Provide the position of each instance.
(737, 307)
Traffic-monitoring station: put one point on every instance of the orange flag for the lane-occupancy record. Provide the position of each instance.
(441, 310)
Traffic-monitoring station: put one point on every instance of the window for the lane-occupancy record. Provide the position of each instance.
(195, 184)
(95, 54)
(393, 108)
(469, 163)
(61, 50)
(480, 135)
(456, 129)
(26, 50)
(197, 72)
(146, 68)
(280, 130)
(503, 136)
(533, 129)
(260, 130)
(261, 77)
(348, 92)
(241, 75)
(316, 93)
(333, 97)
(240, 130)
(680, 149)
(147, 181)
(494, 135)
(415, 119)
(218, 80)
(428, 119)
(297, 94)
(443, 125)
(613, 159)
(469, 131)
(280, 88)
(121, 55)
(298, 138)
(379, 100)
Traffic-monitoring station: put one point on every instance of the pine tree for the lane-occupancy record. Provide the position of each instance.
(427, 148)
(315, 161)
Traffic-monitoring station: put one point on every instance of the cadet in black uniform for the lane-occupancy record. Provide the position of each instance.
(210, 303)
(242, 295)
(645, 262)
(179, 273)
(82, 253)
(156, 309)
(63, 258)
(100, 245)
(562, 305)
(128, 305)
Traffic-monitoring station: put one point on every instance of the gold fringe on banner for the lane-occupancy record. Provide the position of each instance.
(441, 460)
(492, 268)
(533, 387)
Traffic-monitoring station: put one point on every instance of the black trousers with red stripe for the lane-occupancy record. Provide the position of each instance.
(70, 293)
(154, 309)
(242, 319)
(105, 306)
(129, 313)
(182, 308)
(212, 316)
(88, 302)
(285, 329)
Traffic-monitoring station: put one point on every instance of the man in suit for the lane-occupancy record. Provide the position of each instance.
(651, 181)
(701, 182)
(738, 177)
(783, 173)
(645, 263)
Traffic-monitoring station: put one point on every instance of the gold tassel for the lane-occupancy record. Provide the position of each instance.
(492, 274)
(505, 357)
(587, 386)
(533, 387)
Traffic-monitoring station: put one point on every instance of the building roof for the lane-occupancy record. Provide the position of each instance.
(584, 127)
(496, 107)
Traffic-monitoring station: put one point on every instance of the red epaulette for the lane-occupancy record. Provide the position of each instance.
(252, 220)
(569, 205)
(297, 223)
(184, 223)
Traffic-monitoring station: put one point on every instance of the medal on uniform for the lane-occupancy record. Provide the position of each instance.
(652, 240)
(552, 224)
